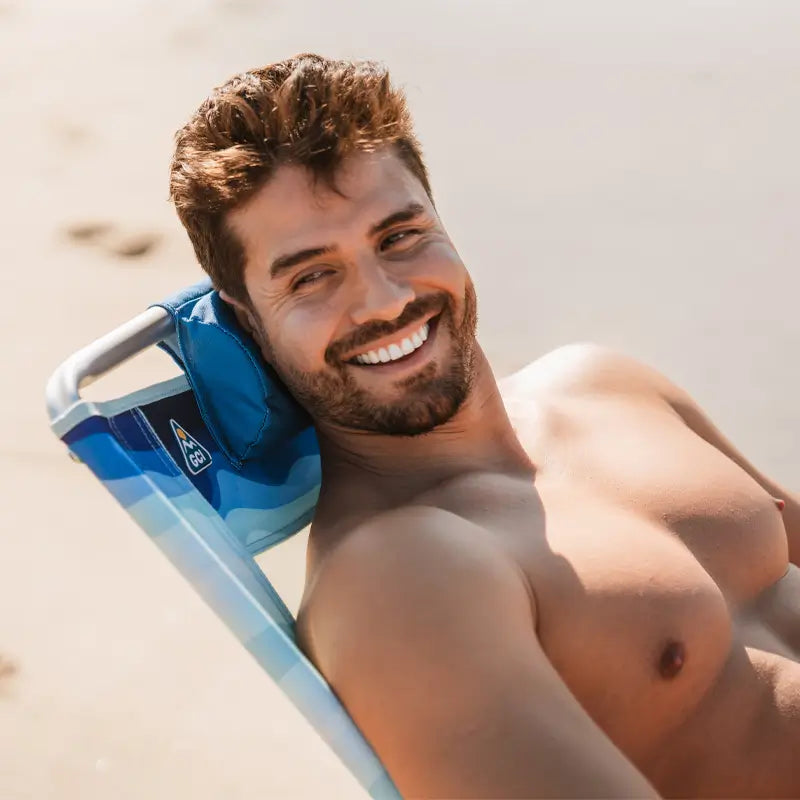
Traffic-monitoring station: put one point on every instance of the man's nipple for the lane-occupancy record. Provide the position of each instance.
(673, 657)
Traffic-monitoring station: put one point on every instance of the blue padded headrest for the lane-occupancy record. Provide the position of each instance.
(243, 402)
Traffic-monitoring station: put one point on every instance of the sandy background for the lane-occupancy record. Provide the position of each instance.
(620, 171)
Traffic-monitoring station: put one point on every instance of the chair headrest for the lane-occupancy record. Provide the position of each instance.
(246, 407)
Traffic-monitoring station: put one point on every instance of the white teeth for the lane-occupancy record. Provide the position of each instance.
(395, 351)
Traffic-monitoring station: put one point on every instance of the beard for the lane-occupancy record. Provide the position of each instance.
(425, 400)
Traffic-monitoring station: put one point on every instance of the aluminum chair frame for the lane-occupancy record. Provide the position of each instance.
(220, 569)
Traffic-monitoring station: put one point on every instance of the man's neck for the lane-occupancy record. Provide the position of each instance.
(365, 472)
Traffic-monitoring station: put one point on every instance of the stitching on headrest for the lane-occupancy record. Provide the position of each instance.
(199, 399)
(260, 373)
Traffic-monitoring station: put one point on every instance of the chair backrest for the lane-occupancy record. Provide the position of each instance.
(154, 452)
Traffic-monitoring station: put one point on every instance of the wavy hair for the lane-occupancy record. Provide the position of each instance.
(306, 110)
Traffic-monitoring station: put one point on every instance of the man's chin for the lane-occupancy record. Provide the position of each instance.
(385, 389)
(412, 417)
(404, 425)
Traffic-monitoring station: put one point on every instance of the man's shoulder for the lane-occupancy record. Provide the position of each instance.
(584, 368)
(412, 542)
(390, 569)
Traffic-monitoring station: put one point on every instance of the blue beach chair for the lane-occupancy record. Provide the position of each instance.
(216, 466)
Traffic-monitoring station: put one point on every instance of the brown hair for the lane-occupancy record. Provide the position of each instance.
(306, 110)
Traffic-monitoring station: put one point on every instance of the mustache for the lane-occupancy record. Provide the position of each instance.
(375, 329)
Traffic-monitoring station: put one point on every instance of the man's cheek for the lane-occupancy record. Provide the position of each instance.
(295, 356)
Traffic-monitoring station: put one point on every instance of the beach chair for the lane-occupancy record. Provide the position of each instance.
(216, 465)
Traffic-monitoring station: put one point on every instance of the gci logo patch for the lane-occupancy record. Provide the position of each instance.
(197, 458)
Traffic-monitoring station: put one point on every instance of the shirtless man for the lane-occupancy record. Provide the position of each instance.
(567, 584)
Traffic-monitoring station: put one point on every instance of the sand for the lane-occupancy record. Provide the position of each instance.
(623, 172)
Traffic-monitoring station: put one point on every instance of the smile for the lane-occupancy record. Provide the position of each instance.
(401, 348)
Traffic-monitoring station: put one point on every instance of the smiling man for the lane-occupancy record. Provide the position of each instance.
(569, 584)
(371, 368)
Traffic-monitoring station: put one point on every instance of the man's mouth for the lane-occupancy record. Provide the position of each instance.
(401, 346)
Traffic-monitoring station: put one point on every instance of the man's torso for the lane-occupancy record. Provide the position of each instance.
(660, 571)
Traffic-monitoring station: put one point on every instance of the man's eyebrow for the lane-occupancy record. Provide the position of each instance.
(284, 263)
(404, 215)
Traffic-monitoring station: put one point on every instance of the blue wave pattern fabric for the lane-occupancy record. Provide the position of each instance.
(245, 405)
(210, 513)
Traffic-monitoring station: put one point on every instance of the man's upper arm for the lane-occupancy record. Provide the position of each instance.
(601, 369)
(426, 631)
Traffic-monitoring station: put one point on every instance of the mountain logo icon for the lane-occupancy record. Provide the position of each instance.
(196, 456)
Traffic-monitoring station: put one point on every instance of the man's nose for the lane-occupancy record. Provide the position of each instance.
(381, 295)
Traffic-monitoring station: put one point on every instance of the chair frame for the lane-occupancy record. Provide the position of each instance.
(204, 550)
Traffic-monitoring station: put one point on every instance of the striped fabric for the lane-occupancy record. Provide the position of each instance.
(153, 452)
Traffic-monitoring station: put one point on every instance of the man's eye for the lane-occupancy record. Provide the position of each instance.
(310, 277)
(400, 236)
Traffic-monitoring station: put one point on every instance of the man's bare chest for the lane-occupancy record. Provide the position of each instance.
(618, 478)
(642, 544)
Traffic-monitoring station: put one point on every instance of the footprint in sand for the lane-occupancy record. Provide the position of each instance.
(131, 245)
(70, 135)
(8, 669)
(88, 231)
(107, 237)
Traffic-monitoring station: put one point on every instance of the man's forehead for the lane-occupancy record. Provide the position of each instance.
(291, 210)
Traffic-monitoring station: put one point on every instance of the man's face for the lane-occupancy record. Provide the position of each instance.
(360, 300)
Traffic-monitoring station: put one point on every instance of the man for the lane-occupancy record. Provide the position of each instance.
(569, 584)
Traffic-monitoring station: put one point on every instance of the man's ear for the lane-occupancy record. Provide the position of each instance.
(244, 316)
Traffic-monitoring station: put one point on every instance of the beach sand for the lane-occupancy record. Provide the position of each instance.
(619, 172)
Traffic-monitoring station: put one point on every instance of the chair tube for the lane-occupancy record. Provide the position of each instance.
(102, 355)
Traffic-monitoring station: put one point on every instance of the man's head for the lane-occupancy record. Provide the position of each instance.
(304, 193)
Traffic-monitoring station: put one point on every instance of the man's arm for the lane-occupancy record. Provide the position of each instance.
(600, 368)
(426, 631)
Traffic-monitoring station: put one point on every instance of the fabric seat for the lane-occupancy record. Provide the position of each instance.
(212, 489)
